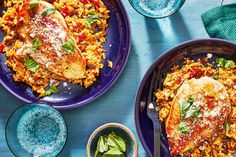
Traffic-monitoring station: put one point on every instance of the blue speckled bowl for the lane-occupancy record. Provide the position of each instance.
(121, 130)
(36, 130)
(153, 14)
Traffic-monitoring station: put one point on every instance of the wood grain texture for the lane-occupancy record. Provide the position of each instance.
(150, 39)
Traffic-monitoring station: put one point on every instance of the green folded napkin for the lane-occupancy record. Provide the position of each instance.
(220, 22)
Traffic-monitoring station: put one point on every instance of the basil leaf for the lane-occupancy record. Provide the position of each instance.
(188, 109)
(184, 106)
(68, 46)
(121, 143)
(194, 111)
(111, 142)
(52, 90)
(183, 127)
(36, 44)
(48, 11)
(31, 64)
(113, 152)
(118, 141)
(92, 18)
(221, 62)
(226, 127)
(97, 154)
(190, 99)
(32, 4)
(102, 145)
(229, 64)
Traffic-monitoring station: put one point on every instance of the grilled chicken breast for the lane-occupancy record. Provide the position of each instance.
(199, 108)
(48, 41)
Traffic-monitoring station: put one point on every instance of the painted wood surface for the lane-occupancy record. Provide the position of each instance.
(151, 38)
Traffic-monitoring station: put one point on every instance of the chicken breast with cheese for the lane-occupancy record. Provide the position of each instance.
(48, 41)
(199, 109)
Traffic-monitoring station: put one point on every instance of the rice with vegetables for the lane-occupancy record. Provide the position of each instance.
(80, 41)
(222, 143)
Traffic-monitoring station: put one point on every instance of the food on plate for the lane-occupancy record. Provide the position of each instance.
(198, 105)
(110, 145)
(51, 41)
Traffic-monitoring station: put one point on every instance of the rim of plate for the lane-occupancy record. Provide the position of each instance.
(105, 89)
(150, 70)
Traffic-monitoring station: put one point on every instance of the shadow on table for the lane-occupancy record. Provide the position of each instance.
(114, 106)
(8, 104)
(166, 33)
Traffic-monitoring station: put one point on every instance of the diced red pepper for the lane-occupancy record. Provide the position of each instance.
(203, 60)
(65, 10)
(81, 37)
(179, 80)
(84, 1)
(2, 47)
(195, 72)
(208, 74)
(97, 3)
(52, 1)
(96, 73)
(210, 101)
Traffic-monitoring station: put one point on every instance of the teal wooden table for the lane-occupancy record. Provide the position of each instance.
(150, 38)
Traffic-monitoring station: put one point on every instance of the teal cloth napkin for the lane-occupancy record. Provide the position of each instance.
(220, 22)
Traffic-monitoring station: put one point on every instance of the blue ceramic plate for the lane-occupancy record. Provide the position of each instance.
(194, 50)
(118, 35)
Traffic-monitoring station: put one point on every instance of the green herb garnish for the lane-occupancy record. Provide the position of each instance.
(183, 127)
(48, 11)
(223, 63)
(113, 152)
(190, 99)
(52, 90)
(226, 127)
(118, 141)
(220, 62)
(68, 46)
(92, 18)
(229, 64)
(36, 44)
(110, 145)
(31, 64)
(193, 111)
(32, 4)
(188, 109)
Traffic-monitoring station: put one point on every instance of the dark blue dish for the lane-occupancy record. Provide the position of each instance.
(194, 49)
(118, 35)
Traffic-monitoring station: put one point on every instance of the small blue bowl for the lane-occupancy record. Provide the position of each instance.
(156, 9)
(120, 130)
(36, 130)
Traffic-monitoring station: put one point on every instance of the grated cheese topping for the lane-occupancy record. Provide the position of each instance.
(50, 33)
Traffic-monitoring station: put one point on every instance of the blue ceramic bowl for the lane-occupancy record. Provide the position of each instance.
(120, 130)
(36, 130)
(156, 8)
(117, 50)
(194, 49)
